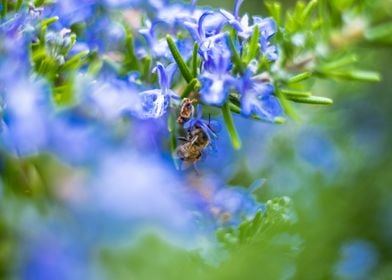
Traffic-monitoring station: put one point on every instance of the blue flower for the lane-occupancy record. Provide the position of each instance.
(209, 127)
(209, 37)
(257, 98)
(156, 101)
(158, 47)
(267, 28)
(216, 83)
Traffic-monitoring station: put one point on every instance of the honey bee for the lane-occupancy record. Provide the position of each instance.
(186, 111)
(195, 142)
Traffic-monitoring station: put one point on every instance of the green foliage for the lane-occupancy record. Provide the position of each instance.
(186, 73)
(277, 213)
(52, 61)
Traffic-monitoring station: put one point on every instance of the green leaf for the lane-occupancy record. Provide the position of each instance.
(381, 33)
(63, 95)
(275, 10)
(74, 62)
(353, 75)
(339, 63)
(186, 73)
(131, 62)
(308, 9)
(239, 67)
(189, 88)
(18, 4)
(146, 73)
(253, 47)
(277, 212)
(171, 126)
(288, 109)
(299, 78)
(4, 8)
(228, 118)
(295, 93)
(194, 59)
(49, 21)
(312, 100)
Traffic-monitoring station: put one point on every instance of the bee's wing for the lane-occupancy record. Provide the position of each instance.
(178, 162)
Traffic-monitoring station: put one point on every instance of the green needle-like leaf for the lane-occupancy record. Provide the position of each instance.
(254, 46)
(189, 88)
(236, 57)
(186, 73)
(49, 21)
(228, 118)
(194, 59)
(4, 8)
(295, 93)
(339, 63)
(74, 61)
(299, 78)
(357, 75)
(308, 9)
(312, 100)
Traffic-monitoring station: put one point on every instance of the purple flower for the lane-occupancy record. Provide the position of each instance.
(257, 98)
(156, 101)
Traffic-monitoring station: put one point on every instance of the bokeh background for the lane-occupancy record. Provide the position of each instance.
(335, 163)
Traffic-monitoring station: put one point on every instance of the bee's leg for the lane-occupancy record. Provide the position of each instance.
(182, 139)
(194, 139)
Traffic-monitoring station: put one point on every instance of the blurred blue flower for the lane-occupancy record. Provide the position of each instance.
(358, 258)
(109, 98)
(257, 98)
(26, 113)
(106, 34)
(158, 46)
(174, 14)
(237, 203)
(76, 138)
(72, 11)
(133, 192)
